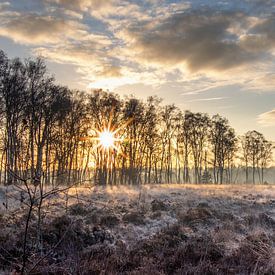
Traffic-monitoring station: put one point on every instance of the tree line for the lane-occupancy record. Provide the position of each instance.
(49, 134)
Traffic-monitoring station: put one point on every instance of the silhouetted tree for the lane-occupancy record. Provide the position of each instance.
(223, 141)
(199, 130)
(49, 135)
(256, 153)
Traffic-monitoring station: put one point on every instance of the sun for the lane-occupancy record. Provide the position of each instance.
(107, 139)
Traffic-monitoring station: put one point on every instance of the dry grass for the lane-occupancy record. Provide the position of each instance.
(166, 229)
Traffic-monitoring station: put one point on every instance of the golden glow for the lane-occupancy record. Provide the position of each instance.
(107, 139)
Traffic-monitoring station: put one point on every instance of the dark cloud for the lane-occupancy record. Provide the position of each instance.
(209, 40)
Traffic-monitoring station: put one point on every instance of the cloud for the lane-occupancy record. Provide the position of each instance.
(103, 10)
(207, 99)
(196, 49)
(262, 82)
(84, 53)
(201, 41)
(62, 37)
(62, 40)
(96, 67)
(111, 71)
(35, 29)
(4, 5)
(267, 118)
(83, 5)
(261, 37)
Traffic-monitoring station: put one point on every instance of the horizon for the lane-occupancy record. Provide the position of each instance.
(201, 55)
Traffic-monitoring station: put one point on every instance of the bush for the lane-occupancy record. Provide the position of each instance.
(197, 214)
(109, 220)
(136, 218)
(78, 209)
(158, 205)
(255, 255)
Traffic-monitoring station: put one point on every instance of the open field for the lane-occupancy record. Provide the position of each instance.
(152, 229)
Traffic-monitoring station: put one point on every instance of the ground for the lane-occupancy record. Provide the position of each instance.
(152, 229)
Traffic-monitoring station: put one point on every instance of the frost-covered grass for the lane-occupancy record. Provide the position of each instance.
(151, 229)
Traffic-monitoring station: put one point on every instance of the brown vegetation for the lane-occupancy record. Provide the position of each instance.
(221, 234)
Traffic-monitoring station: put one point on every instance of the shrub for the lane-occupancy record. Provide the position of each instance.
(109, 220)
(197, 214)
(158, 205)
(78, 209)
(136, 218)
(254, 255)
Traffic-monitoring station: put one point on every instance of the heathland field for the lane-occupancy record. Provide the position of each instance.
(151, 229)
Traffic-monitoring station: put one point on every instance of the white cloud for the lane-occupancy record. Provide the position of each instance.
(267, 118)
(207, 99)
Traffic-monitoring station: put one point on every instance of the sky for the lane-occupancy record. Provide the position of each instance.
(203, 56)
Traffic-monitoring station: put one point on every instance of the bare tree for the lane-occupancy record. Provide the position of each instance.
(223, 141)
(49, 134)
(199, 130)
(256, 153)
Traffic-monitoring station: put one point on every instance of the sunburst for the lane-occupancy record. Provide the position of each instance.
(109, 137)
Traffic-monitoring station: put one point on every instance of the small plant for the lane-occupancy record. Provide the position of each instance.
(109, 220)
(136, 218)
(158, 205)
(78, 209)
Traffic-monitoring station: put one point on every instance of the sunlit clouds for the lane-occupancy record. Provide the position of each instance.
(121, 38)
(267, 118)
(182, 47)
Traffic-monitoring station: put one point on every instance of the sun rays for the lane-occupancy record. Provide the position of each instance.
(108, 137)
